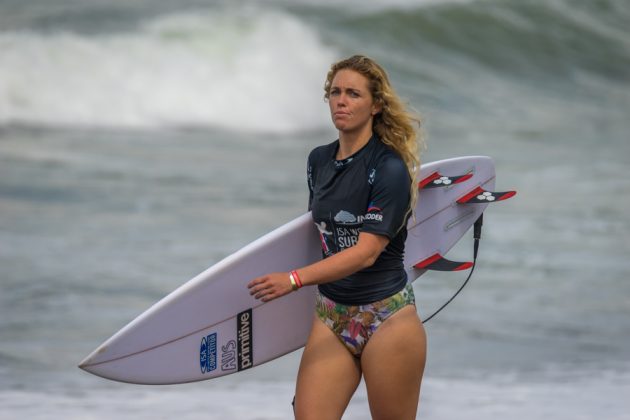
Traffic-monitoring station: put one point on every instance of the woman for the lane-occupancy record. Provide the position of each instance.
(361, 195)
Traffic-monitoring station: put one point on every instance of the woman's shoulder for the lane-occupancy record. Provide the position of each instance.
(386, 157)
(322, 152)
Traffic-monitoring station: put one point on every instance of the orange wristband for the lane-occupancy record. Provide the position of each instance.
(294, 276)
(294, 285)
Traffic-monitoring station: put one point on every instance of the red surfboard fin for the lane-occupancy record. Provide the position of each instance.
(479, 195)
(438, 180)
(439, 263)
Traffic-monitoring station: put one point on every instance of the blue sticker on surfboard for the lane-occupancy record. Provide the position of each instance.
(208, 353)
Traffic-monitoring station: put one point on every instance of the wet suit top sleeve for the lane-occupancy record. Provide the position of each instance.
(389, 198)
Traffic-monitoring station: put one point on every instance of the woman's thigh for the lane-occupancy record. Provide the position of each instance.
(393, 364)
(327, 378)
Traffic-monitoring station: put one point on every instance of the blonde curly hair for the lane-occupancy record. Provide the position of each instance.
(396, 126)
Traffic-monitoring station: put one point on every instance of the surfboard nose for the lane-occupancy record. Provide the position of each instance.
(93, 358)
(101, 363)
(85, 365)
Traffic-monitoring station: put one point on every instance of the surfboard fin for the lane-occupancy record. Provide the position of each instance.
(438, 180)
(479, 195)
(438, 263)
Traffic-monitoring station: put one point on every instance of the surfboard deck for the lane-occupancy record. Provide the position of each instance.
(211, 327)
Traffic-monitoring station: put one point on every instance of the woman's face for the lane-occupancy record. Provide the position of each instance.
(351, 104)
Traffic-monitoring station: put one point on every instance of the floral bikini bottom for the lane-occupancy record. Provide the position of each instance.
(354, 325)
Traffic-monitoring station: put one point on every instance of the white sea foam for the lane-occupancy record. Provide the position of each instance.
(593, 395)
(243, 69)
(360, 6)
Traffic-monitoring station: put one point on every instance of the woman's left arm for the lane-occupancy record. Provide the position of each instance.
(362, 255)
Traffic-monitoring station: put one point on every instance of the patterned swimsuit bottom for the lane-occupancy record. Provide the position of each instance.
(354, 325)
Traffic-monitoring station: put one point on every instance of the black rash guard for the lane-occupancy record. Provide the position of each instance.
(366, 192)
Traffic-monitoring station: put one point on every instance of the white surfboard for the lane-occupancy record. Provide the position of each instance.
(211, 326)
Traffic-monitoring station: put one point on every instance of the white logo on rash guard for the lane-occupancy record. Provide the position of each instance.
(324, 234)
(371, 176)
(347, 229)
(345, 217)
(374, 213)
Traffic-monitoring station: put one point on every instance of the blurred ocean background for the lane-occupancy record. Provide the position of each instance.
(143, 141)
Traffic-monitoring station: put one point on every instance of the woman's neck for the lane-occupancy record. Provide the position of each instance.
(350, 143)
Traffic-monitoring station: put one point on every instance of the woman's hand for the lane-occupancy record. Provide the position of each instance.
(270, 286)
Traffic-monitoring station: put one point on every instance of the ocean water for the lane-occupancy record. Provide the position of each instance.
(141, 142)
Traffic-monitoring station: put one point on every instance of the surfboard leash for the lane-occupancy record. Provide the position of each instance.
(476, 236)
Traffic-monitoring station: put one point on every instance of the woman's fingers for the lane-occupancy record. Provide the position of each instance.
(258, 284)
(261, 288)
(255, 287)
(270, 286)
(258, 280)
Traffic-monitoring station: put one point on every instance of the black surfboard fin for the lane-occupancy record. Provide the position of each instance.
(479, 195)
(438, 263)
(438, 180)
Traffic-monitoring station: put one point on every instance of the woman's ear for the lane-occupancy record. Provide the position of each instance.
(377, 107)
